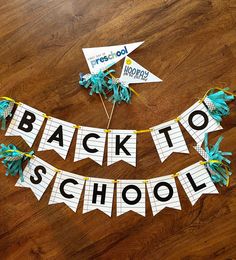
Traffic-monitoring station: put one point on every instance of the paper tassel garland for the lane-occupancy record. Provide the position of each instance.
(216, 103)
(6, 107)
(13, 159)
(218, 164)
(120, 92)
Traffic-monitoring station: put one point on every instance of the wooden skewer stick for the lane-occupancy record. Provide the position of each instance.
(112, 110)
(103, 104)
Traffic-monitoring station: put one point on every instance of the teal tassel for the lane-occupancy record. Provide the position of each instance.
(119, 91)
(96, 82)
(13, 159)
(220, 170)
(5, 111)
(219, 107)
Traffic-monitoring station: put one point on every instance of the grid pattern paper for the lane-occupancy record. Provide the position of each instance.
(92, 143)
(69, 188)
(198, 120)
(131, 194)
(88, 196)
(13, 129)
(209, 104)
(67, 133)
(202, 152)
(29, 172)
(200, 176)
(163, 191)
(130, 145)
(176, 137)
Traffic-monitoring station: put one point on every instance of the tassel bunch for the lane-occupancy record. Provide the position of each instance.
(216, 103)
(6, 107)
(12, 159)
(218, 165)
(119, 91)
(102, 84)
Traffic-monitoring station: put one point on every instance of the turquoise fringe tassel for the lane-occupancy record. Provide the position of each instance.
(220, 171)
(5, 111)
(96, 82)
(120, 91)
(219, 100)
(13, 159)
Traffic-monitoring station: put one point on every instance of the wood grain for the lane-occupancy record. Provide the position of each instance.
(191, 45)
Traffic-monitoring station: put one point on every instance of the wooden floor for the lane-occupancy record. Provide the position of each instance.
(191, 45)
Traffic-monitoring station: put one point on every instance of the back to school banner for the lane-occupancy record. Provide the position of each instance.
(90, 142)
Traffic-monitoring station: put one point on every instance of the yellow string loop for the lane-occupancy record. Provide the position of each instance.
(46, 116)
(25, 154)
(86, 178)
(175, 175)
(210, 161)
(107, 130)
(177, 119)
(115, 181)
(77, 126)
(145, 181)
(143, 131)
(56, 170)
(12, 100)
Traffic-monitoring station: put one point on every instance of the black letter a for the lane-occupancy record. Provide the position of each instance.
(57, 136)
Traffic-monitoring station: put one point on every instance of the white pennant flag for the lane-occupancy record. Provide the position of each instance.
(121, 146)
(37, 176)
(131, 196)
(168, 139)
(26, 123)
(57, 136)
(90, 143)
(163, 193)
(102, 58)
(98, 195)
(67, 188)
(132, 72)
(196, 181)
(197, 121)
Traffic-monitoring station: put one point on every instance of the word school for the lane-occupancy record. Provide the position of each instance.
(90, 142)
(98, 192)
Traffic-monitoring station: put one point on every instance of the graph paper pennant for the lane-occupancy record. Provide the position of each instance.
(168, 139)
(90, 143)
(197, 121)
(98, 195)
(37, 176)
(196, 181)
(26, 123)
(122, 146)
(57, 136)
(132, 72)
(102, 58)
(67, 189)
(131, 196)
(163, 193)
